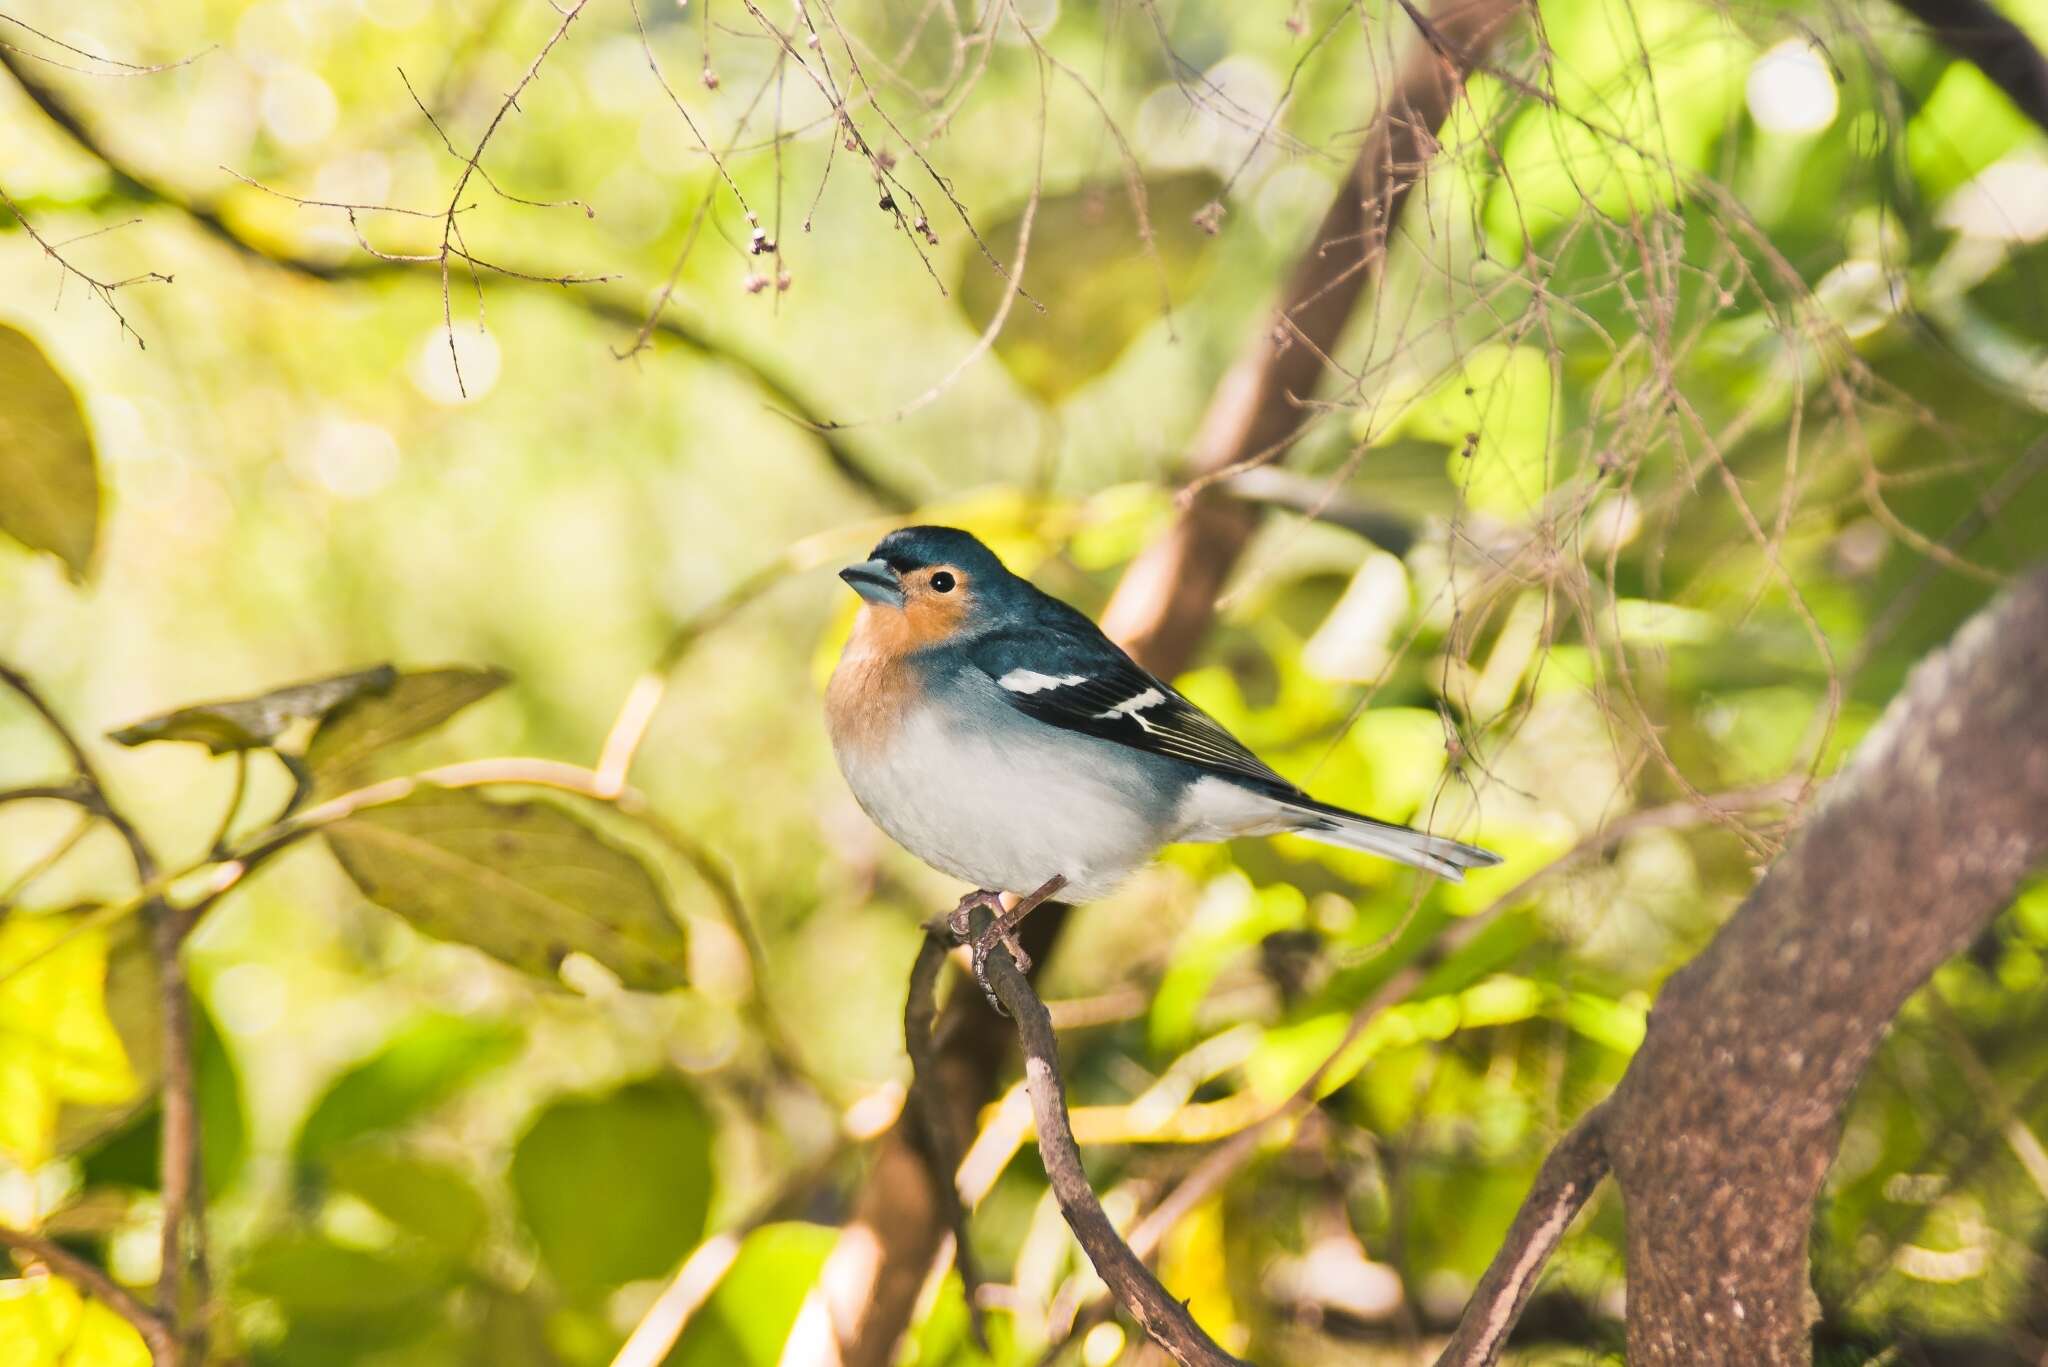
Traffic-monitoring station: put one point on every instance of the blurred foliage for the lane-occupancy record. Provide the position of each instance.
(1708, 397)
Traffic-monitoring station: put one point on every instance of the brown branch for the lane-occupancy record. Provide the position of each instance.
(1161, 1316)
(1167, 598)
(1563, 1184)
(943, 1146)
(103, 290)
(178, 1150)
(781, 394)
(1975, 31)
(162, 1343)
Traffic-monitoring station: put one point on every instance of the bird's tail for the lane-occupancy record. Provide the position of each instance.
(1441, 856)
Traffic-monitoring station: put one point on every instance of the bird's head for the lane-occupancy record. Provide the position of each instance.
(930, 582)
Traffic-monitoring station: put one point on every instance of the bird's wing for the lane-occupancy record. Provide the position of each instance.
(1081, 681)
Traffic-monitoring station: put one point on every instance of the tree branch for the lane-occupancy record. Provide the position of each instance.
(1563, 1184)
(162, 1342)
(1975, 31)
(1163, 1317)
(1727, 1119)
(1167, 598)
(602, 305)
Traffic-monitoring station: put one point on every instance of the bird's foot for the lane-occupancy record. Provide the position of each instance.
(1003, 931)
(961, 921)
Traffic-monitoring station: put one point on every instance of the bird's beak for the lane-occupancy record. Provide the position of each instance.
(875, 581)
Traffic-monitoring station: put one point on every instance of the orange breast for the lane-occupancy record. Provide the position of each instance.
(874, 686)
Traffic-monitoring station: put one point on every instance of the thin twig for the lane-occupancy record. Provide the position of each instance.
(1161, 1316)
(102, 289)
(162, 1343)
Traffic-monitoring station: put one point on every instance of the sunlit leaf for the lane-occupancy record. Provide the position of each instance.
(47, 465)
(615, 1188)
(1088, 266)
(1493, 412)
(421, 1067)
(57, 1043)
(248, 723)
(749, 1316)
(526, 882)
(416, 702)
(45, 1322)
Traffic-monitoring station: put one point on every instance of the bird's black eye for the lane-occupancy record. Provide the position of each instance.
(942, 582)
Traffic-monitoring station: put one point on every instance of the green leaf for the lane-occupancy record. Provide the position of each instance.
(416, 702)
(749, 1316)
(526, 882)
(47, 465)
(57, 1043)
(251, 723)
(421, 1067)
(615, 1188)
(434, 1201)
(1087, 264)
(129, 1156)
(320, 1281)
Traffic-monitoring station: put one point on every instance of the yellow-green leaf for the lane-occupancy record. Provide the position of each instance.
(416, 702)
(45, 1322)
(57, 1043)
(249, 723)
(47, 465)
(526, 882)
(1087, 264)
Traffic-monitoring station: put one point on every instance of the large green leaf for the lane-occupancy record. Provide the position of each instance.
(1088, 266)
(47, 467)
(749, 1316)
(320, 1281)
(526, 882)
(249, 723)
(615, 1188)
(435, 1202)
(417, 701)
(421, 1066)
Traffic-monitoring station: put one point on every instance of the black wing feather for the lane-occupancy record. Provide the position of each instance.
(1100, 692)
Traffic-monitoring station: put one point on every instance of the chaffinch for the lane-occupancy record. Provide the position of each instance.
(998, 735)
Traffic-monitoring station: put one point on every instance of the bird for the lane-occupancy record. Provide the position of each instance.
(997, 734)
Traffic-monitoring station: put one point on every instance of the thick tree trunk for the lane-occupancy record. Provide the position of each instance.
(1728, 1118)
(1723, 1128)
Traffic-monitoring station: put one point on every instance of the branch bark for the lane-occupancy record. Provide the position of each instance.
(1132, 1283)
(1167, 598)
(1975, 31)
(156, 1334)
(1724, 1126)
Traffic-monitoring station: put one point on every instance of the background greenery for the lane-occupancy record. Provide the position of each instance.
(1704, 398)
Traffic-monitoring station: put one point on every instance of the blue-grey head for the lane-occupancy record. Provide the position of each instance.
(939, 575)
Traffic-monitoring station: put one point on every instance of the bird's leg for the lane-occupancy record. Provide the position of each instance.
(1003, 931)
(961, 921)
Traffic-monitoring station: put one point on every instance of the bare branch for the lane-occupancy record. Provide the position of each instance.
(103, 290)
(1163, 1317)
(162, 1343)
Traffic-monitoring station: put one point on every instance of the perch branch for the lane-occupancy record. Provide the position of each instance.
(1161, 1316)
(162, 1342)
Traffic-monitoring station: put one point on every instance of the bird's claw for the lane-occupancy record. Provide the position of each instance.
(961, 921)
(985, 945)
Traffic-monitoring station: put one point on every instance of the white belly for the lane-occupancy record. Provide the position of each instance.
(1005, 815)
